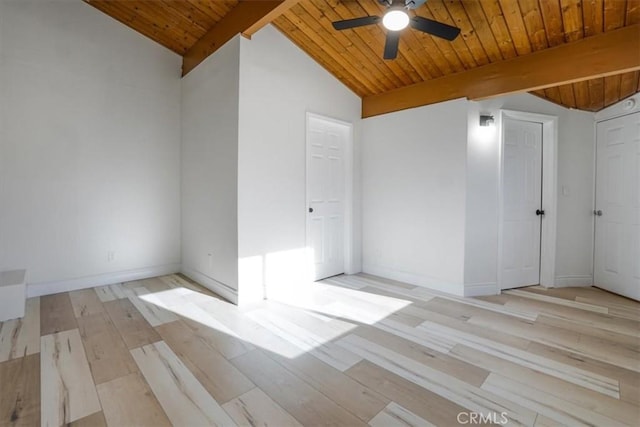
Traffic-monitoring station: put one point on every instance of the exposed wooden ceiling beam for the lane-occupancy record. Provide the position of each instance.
(609, 53)
(248, 15)
(270, 16)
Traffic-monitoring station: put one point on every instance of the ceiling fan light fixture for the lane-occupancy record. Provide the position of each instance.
(395, 20)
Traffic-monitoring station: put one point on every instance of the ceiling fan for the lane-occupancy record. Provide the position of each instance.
(396, 19)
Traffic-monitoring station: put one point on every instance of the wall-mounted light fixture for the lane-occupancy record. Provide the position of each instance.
(486, 120)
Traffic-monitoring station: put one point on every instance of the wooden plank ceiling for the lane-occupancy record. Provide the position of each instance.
(492, 31)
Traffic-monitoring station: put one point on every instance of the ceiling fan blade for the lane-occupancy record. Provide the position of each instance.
(356, 22)
(434, 28)
(391, 45)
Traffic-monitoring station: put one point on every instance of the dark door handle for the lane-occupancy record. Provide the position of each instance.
(310, 210)
(539, 212)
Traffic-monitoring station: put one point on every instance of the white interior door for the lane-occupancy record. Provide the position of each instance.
(617, 247)
(326, 141)
(521, 203)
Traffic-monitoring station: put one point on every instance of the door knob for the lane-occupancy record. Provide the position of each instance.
(598, 212)
(539, 212)
(310, 210)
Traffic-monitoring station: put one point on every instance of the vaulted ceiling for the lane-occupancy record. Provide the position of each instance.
(494, 32)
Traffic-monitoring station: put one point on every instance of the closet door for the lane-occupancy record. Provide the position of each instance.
(617, 245)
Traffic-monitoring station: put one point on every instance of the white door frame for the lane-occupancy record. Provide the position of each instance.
(348, 188)
(549, 192)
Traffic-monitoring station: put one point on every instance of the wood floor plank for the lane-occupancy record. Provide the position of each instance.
(154, 285)
(395, 415)
(387, 293)
(183, 398)
(239, 325)
(153, 313)
(557, 337)
(305, 339)
(570, 314)
(613, 337)
(20, 391)
(626, 378)
(429, 294)
(364, 284)
(445, 385)
(477, 330)
(426, 404)
(346, 303)
(133, 328)
(616, 309)
(219, 377)
(255, 408)
(85, 302)
(629, 355)
(67, 389)
(542, 421)
(366, 301)
(548, 405)
(559, 301)
(229, 346)
(325, 327)
(128, 401)
(110, 292)
(600, 295)
(21, 337)
(391, 289)
(361, 401)
(460, 310)
(93, 420)
(599, 383)
(467, 372)
(108, 355)
(368, 277)
(56, 314)
(344, 283)
(180, 281)
(630, 392)
(291, 393)
(581, 397)
(418, 336)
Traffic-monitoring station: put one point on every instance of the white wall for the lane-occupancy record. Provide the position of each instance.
(89, 147)
(574, 246)
(430, 194)
(279, 84)
(413, 173)
(210, 171)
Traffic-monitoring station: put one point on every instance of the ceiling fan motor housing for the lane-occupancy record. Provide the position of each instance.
(409, 4)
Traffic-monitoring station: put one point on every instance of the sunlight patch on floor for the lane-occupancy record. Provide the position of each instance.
(279, 327)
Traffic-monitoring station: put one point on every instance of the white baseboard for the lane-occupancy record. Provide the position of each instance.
(480, 289)
(415, 279)
(212, 284)
(55, 287)
(567, 281)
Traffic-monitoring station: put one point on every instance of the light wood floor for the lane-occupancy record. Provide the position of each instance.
(356, 350)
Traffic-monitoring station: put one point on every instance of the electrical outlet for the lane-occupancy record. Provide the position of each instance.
(111, 256)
